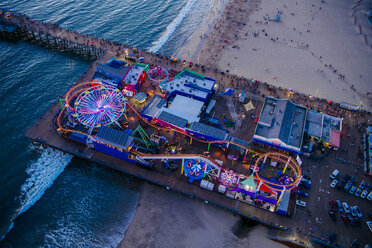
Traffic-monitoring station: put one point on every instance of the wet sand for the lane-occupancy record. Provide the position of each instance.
(168, 219)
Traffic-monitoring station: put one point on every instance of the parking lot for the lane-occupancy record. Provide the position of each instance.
(315, 219)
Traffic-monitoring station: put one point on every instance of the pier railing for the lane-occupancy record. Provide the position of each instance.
(49, 35)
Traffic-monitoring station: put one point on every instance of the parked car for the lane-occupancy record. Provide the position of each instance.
(305, 181)
(305, 185)
(345, 178)
(370, 215)
(301, 203)
(332, 215)
(353, 212)
(369, 224)
(358, 192)
(306, 177)
(363, 185)
(339, 206)
(333, 205)
(346, 207)
(343, 181)
(350, 217)
(352, 190)
(352, 180)
(348, 186)
(334, 183)
(340, 185)
(369, 187)
(355, 244)
(302, 193)
(364, 194)
(357, 210)
(334, 174)
(344, 218)
(369, 197)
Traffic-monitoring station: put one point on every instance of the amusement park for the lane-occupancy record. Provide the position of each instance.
(161, 119)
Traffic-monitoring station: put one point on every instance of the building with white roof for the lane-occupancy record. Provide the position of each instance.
(190, 84)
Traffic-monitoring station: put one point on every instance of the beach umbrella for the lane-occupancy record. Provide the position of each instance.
(290, 89)
(131, 55)
(141, 59)
(190, 62)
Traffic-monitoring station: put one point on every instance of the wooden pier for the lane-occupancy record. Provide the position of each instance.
(11, 29)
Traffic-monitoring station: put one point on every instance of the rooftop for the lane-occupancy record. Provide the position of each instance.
(114, 137)
(320, 125)
(282, 119)
(210, 131)
(134, 73)
(190, 83)
(173, 119)
(113, 66)
(154, 106)
(186, 108)
(314, 124)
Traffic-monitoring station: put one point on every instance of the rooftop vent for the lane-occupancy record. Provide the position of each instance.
(271, 112)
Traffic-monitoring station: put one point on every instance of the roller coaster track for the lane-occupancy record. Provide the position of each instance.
(75, 91)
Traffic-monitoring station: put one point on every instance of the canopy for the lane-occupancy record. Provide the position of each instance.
(335, 138)
(249, 106)
(250, 182)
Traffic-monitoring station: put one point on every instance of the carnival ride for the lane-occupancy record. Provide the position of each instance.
(214, 169)
(99, 106)
(157, 75)
(195, 169)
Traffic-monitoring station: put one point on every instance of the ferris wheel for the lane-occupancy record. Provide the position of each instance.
(99, 106)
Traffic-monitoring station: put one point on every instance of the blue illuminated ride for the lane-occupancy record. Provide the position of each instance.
(99, 106)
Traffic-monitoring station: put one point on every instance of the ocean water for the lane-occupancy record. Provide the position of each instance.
(47, 198)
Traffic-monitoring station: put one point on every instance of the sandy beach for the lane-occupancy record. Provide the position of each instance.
(316, 48)
(167, 219)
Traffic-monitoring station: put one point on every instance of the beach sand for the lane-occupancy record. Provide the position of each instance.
(316, 48)
(168, 219)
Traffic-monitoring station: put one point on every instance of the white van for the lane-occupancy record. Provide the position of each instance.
(334, 174)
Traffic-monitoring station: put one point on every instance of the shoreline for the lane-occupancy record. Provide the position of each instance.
(193, 45)
(163, 218)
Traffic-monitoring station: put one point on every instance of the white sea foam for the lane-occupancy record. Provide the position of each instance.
(172, 27)
(10, 227)
(74, 228)
(42, 174)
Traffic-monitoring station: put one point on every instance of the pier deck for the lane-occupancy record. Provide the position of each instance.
(44, 133)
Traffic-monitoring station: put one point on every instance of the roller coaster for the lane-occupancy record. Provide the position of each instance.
(287, 160)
